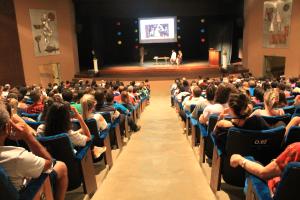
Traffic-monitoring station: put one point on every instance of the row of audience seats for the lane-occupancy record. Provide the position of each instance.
(79, 161)
(262, 146)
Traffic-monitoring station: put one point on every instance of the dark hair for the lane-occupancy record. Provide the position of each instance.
(197, 92)
(47, 104)
(109, 96)
(100, 98)
(223, 92)
(35, 95)
(210, 92)
(238, 102)
(259, 94)
(282, 99)
(57, 119)
(67, 95)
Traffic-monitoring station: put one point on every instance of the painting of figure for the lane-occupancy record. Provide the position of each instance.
(277, 23)
(44, 31)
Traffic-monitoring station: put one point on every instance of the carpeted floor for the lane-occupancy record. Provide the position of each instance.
(158, 162)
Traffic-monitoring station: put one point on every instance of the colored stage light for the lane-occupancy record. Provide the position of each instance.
(203, 40)
(178, 28)
(179, 45)
(119, 42)
(178, 20)
(202, 20)
(179, 37)
(136, 46)
(119, 33)
(136, 39)
(202, 30)
(135, 21)
(118, 23)
(135, 30)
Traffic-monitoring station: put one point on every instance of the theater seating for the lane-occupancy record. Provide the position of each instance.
(101, 138)
(263, 145)
(287, 188)
(39, 188)
(292, 136)
(79, 164)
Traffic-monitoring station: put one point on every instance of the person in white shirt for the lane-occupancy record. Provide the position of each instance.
(22, 165)
(173, 57)
(220, 102)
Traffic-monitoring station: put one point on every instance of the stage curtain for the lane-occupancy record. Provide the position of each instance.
(221, 37)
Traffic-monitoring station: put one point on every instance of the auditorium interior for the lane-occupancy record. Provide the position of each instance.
(131, 99)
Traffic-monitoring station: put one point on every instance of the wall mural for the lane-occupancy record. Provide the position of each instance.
(277, 23)
(44, 31)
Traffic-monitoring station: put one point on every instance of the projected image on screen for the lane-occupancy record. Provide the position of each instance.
(158, 30)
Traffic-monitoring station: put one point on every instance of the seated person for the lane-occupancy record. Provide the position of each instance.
(58, 120)
(22, 165)
(273, 170)
(38, 105)
(220, 102)
(179, 58)
(210, 94)
(271, 101)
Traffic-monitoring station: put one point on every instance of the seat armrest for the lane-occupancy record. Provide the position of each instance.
(203, 129)
(33, 187)
(259, 187)
(83, 151)
(220, 152)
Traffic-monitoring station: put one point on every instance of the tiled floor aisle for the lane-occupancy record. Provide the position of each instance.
(158, 162)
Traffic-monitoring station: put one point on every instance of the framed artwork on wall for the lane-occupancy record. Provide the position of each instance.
(44, 32)
(277, 23)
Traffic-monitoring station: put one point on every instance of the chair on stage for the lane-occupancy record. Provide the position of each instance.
(79, 164)
(263, 145)
(38, 188)
(287, 188)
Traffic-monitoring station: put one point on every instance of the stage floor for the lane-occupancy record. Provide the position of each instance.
(161, 71)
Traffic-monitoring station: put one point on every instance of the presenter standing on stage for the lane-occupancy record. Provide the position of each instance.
(173, 57)
(142, 54)
(179, 57)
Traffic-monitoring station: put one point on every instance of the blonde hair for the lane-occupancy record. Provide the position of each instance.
(271, 98)
(87, 104)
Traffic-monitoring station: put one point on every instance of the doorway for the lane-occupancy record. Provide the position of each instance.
(274, 66)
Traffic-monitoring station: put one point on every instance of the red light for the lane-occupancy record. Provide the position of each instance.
(203, 40)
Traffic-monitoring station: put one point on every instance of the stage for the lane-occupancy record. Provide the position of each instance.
(159, 71)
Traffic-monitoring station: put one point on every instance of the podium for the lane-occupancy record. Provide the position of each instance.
(214, 57)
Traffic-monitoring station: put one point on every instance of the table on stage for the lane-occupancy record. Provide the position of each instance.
(165, 58)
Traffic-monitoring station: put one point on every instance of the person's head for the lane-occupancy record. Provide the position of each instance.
(130, 89)
(4, 120)
(282, 99)
(67, 95)
(35, 95)
(271, 98)
(58, 119)
(210, 92)
(196, 91)
(47, 104)
(125, 97)
(238, 105)
(223, 92)
(88, 103)
(259, 94)
(100, 97)
(109, 96)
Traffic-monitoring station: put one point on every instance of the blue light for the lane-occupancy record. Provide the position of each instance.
(178, 28)
(202, 30)
(119, 33)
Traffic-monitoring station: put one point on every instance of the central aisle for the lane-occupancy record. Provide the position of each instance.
(158, 162)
